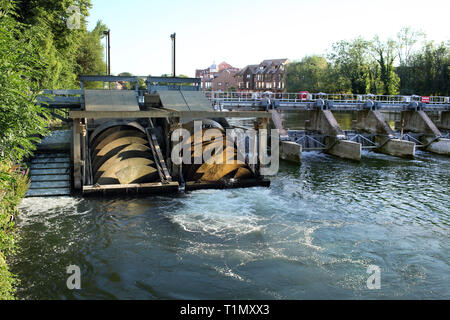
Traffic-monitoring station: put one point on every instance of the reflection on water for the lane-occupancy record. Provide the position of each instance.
(312, 234)
(296, 120)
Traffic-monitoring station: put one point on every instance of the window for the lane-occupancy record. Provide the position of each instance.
(219, 84)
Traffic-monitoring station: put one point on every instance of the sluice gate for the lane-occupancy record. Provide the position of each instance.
(370, 130)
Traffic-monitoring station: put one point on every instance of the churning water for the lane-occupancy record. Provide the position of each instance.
(311, 235)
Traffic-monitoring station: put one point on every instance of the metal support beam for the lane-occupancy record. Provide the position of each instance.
(387, 142)
(161, 113)
(76, 153)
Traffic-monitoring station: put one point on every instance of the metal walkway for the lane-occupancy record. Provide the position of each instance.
(337, 102)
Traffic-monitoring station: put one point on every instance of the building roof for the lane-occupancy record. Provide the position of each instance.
(250, 67)
(270, 66)
(224, 66)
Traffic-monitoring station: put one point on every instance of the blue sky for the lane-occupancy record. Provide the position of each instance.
(247, 32)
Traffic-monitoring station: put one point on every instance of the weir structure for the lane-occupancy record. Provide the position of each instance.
(121, 140)
(370, 130)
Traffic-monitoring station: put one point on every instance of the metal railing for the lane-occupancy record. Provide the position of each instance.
(310, 97)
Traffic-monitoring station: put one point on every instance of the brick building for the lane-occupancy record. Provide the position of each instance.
(245, 78)
(224, 80)
(208, 75)
(269, 75)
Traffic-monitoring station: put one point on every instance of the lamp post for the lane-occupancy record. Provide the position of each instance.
(108, 54)
(173, 37)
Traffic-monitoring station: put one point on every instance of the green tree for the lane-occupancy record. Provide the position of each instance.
(90, 56)
(385, 54)
(21, 65)
(351, 59)
(310, 74)
(407, 38)
(430, 70)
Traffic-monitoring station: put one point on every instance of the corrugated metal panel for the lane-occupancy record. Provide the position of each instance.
(173, 100)
(111, 100)
(184, 100)
(197, 101)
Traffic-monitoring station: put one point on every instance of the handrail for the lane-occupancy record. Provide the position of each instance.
(298, 97)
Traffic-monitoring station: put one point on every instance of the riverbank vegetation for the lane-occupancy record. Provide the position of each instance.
(38, 50)
(407, 65)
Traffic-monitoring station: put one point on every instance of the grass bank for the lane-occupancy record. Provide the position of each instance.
(14, 183)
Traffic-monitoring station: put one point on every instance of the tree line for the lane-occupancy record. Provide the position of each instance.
(38, 51)
(406, 65)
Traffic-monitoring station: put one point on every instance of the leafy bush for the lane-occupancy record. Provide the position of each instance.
(13, 186)
(21, 120)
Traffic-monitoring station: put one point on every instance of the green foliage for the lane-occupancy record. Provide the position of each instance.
(37, 51)
(427, 71)
(91, 54)
(13, 186)
(351, 60)
(310, 74)
(7, 281)
(21, 65)
(360, 66)
(385, 54)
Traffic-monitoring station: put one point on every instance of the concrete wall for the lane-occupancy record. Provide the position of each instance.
(418, 121)
(290, 151)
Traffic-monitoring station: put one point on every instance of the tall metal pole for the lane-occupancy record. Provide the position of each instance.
(108, 53)
(173, 37)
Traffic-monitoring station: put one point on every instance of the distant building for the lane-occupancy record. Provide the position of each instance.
(224, 80)
(246, 78)
(209, 74)
(269, 75)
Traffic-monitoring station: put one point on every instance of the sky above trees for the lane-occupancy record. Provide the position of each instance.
(245, 32)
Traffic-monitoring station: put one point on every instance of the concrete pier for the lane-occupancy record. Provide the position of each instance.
(290, 151)
(439, 146)
(445, 120)
(373, 121)
(324, 122)
(419, 122)
(396, 147)
(346, 149)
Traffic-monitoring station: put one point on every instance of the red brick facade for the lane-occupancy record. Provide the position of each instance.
(223, 71)
(269, 75)
(224, 80)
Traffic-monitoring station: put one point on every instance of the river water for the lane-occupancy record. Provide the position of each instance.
(312, 235)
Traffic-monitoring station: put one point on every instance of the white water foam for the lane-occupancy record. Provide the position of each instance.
(33, 209)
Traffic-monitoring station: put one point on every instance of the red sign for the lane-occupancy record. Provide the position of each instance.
(426, 99)
(304, 95)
